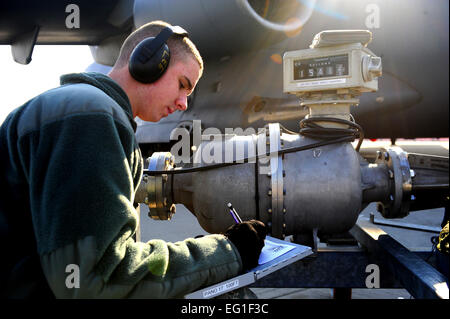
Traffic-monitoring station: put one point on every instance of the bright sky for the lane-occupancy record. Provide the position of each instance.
(19, 83)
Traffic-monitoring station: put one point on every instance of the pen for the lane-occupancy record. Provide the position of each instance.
(234, 214)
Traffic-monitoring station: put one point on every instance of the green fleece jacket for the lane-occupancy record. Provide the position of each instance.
(70, 165)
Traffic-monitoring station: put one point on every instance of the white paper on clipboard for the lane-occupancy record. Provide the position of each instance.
(272, 250)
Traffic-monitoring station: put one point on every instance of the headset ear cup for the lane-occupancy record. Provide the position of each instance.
(162, 60)
(145, 68)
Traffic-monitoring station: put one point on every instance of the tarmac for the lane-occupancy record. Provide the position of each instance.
(184, 225)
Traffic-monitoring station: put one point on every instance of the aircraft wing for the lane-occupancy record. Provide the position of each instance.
(26, 23)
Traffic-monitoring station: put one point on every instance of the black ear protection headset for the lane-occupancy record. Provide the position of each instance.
(150, 58)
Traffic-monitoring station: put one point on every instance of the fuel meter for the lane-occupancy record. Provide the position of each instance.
(336, 59)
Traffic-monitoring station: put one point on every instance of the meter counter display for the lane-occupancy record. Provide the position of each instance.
(322, 67)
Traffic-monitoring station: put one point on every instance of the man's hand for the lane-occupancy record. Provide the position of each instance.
(248, 237)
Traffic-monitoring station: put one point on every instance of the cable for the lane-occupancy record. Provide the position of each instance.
(434, 241)
(287, 130)
(251, 159)
(309, 127)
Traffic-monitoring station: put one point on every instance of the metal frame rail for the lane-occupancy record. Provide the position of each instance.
(346, 267)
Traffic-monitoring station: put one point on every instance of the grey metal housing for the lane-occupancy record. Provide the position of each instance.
(319, 190)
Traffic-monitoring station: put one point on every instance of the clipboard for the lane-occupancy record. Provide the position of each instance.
(296, 253)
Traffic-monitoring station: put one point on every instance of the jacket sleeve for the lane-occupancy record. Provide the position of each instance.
(155, 269)
(83, 171)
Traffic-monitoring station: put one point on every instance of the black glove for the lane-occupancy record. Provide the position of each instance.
(248, 237)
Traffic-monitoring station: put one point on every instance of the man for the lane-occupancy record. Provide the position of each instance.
(70, 166)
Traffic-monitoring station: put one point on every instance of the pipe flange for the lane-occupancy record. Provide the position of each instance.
(397, 205)
(158, 199)
(276, 176)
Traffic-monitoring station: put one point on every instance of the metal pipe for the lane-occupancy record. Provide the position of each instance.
(321, 189)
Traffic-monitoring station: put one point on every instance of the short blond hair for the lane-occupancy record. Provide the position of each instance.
(180, 47)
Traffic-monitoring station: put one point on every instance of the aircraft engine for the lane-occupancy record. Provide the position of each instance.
(233, 25)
